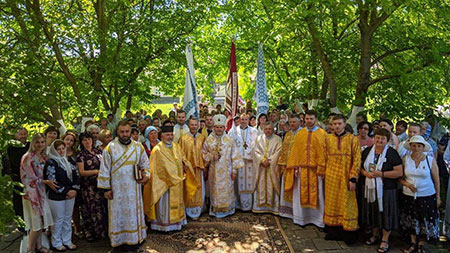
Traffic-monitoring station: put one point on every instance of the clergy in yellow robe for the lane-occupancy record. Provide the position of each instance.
(286, 196)
(166, 193)
(191, 145)
(308, 159)
(266, 197)
(343, 162)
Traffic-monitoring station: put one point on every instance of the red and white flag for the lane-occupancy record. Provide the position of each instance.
(232, 91)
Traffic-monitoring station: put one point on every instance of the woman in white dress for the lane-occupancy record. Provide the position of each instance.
(36, 209)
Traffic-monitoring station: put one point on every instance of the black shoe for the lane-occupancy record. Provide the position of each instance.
(333, 236)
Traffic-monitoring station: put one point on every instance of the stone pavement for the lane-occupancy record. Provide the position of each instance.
(303, 239)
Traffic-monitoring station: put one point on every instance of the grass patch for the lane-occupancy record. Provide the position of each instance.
(165, 108)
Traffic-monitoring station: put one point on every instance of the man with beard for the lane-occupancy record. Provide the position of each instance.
(244, 137)
(16, 149)
(224, 159)
(165, 195)
(122, 159)
(307, 159)
(180, 128)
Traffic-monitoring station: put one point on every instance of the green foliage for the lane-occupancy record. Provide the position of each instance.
(7, 215)
(82, 58)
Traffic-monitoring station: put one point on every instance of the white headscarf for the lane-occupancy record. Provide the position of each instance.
(61, 160)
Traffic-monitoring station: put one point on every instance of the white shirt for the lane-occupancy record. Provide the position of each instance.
(420, 177)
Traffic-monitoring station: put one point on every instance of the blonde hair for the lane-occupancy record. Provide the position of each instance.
(35, 138)
(102, 135)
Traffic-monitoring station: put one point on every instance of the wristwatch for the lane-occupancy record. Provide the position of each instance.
(353, 180)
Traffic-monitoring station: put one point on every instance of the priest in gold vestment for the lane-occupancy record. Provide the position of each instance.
(286, 197)
(343, 162)
(266, 197)
(172, 183)
(307, 159)
(224, 159)
(191, 145)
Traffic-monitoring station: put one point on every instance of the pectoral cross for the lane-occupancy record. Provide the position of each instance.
(219, 146)
(245, 145)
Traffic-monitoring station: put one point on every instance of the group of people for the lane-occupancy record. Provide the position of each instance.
(120, 176)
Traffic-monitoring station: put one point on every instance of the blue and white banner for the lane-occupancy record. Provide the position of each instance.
(261, 95)
(190, 99)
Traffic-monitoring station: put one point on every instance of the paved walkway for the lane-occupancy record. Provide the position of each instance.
(303, 239)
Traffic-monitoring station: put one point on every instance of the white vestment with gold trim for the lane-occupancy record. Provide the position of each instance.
(126, 210)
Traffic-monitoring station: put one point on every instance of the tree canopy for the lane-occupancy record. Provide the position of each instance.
(83, 57)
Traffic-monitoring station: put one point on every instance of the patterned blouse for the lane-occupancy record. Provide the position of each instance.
(91, 161)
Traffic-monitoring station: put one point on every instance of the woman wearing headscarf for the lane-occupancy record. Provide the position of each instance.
(381, 166)
(61, 199)
(420, 215)
(151, 139)
(36, 210)
(71, 140)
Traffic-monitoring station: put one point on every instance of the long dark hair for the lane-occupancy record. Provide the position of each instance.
(85, 135)
(259, 116)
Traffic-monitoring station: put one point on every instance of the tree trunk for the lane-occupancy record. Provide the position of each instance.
(324, 90)
(364, 68)
(326, 66)
(129, 100)
(314, 82)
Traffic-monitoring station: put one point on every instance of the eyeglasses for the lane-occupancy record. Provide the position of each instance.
(364, 128)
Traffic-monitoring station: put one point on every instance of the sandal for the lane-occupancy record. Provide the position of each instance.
(373, 240)
(412, 248)
(384, 249)
(61, 248)
(71, 246)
